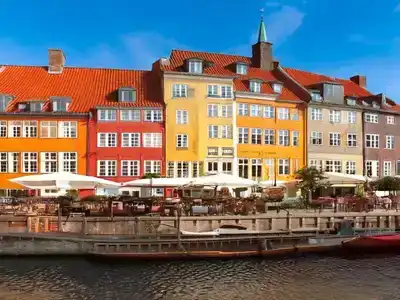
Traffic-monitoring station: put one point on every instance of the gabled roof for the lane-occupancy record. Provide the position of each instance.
(87, 87)
(224, 65)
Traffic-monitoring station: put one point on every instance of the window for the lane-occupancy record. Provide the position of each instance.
(351, 102)
(179, 90)
(226, 131)
(316, 114)
(60, 104)
(226, 111)
(227, 151)
(195, 66)
(372, 140)
(48, 162)
(212, 110)
(243, 164)
(30, 129)
(283, 166)
(212, 151)
(3, 128)
(69, 162)
(107, 115)
(316, 97)
(181, 141)
(255, 86)
(213, 90)
(15, 129)
(106, 139)
(269, 137)
(241, 69)
(387, 168)
(182, 116)
(372, 168)
(182, 169)
(316, 138)
(3, 162)
(107, 168)
(351, 117)
(256, 169)
(398, 168)
(295, 138)
(333, 166)
(48, 129)
(212, 166)
(269, 112)
(30, 162)
(243, 109)
(212, 131)
(335, 116)
(4, 100)
(153, 115)
(390, 120)
(196, 167)
(283, 113)
(295, 114)
(270, 165)
(132, 115)
(351, 167)
(130, 139)
(351, 140)
(334, 139)
(243, 135)
(13, 159)
(256, 136)
(67, 129)
(130, 168)
(255, 110)
(226, 91)
(226, 167)
(371, 118)
(126, 95)
(316, 163)
(152, 140)
(152, 167)
(389, 142)
(283, 138)
(277, 87)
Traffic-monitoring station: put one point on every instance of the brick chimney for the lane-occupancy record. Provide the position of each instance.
(56, 61)
(360, 80)
(262, 50)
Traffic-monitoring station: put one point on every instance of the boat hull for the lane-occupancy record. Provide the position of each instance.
(391, 241)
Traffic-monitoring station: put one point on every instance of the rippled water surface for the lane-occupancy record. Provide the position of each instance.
(300, 278)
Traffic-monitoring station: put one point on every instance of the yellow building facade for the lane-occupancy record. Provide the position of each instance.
(199, 124)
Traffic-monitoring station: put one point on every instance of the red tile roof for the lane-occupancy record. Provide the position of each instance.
(223, 65)
(86, 87)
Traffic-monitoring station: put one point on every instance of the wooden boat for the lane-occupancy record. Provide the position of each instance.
(228, 229)
(370, 242)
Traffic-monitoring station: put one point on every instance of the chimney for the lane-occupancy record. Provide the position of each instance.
(56, 61)
(262, 50)
(360, 80)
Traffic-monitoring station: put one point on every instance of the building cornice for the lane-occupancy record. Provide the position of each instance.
(45, 114)
(201, 77)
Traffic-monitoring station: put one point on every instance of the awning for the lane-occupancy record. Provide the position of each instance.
(344, 185)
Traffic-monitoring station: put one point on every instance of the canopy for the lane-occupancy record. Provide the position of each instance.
(64, 180)
(340, 178)
(225, 180)
(158, 182)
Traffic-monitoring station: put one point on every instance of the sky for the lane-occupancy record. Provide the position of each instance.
(339, 38)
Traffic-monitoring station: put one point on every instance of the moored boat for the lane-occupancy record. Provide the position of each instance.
(371, 242)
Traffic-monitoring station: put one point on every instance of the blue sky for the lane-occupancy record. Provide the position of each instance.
(336, 37)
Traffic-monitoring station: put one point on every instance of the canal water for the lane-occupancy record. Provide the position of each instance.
(300, 278)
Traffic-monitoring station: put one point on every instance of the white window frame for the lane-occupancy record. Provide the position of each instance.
(182, 140)
(130, 168)
(195, 66)
(213, 90)
(182, 117)
(241, 69)
(130, 139)
(283, 113)
(4, 162)
(226, 91)
(258, 133)
(226, 111)
(269, 112)
(316, 114)
(389, 142)
(283, 166)
(371, 118)
(351, 167)
(155, 166)
(15, 129)
(255, 86)
(152, 139)
(352, 140)
(295, 138)
(48, 162)
(107, 115)
(110, 168)
(3, 129)
(334, 166)
(68, 162)
(243, 109)
(335, 116)
(387, 168)
(277, 87)
(51, 127)
(316, 138)
(284, 137)
(130, 115)
(372, 140)
(32, 159)
(213, 131)
(68, 129)
(30, 129)
(212, 110)
(390, 120)
(179, 90)
(153, 115)
(352, 117)
(269, 136)
(107, 140)
(335, 139)
(243, 135)
(255, 110)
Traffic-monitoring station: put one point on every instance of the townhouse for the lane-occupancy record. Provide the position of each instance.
(102, 122)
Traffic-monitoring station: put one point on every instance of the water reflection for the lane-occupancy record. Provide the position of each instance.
(305, 278)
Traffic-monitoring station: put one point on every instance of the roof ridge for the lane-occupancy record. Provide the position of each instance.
(78, 67)
(208, 52)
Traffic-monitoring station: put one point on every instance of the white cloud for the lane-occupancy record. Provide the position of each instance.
(135, 50)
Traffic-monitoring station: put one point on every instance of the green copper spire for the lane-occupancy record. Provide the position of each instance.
(262, 33)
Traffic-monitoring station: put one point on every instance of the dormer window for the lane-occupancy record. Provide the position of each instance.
(195, 66)
(36, 106)
(60, 104)
(351, 102)
(375, 105)
(241, 69)
(365, 103)
(126, 95)
(277, 88)
(316, 97)
(255, 86)
(22, 107)
(4, 100)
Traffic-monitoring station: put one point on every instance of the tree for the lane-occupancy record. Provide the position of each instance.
(310, 179)
(151, 175)
(387, 183)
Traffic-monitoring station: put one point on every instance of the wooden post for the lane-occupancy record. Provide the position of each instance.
(59, 217)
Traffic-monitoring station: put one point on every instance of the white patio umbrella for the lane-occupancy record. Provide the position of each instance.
(157, 182)
(64, 180)
(224, 180)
